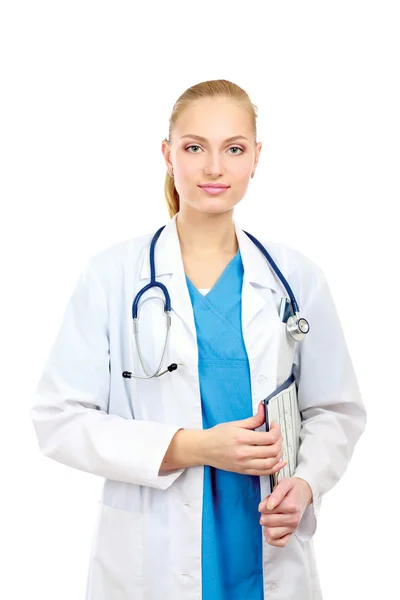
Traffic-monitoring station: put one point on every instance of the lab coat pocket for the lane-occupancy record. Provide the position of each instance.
(116, 569)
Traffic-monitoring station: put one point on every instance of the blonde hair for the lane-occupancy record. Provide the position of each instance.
(205, 89)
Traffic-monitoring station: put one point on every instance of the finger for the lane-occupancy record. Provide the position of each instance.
(278, 520)
(279, 493)
(274, 426)
(280, 543)
(260, 452)
(252, 422)
(261, 438)
(264, 471)
(275, 533)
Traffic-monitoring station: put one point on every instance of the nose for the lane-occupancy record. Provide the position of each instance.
(214, 164)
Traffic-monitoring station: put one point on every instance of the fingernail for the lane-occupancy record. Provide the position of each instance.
(271, 504)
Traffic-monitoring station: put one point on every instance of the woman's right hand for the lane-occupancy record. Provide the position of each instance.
(233, 446)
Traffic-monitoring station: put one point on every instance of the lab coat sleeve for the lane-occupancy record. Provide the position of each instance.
(333, 414)
(69, 411)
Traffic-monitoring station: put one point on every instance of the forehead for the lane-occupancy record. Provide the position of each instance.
(214, 118)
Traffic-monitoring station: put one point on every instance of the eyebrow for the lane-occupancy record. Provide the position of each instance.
(203, 139)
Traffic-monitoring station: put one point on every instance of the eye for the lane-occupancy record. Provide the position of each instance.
(237, 148)
(233, 148)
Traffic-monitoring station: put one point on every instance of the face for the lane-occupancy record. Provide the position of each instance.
(214, 158)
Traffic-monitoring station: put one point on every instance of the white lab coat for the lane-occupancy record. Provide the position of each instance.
(147, 540)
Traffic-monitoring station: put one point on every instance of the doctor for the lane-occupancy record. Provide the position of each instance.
(184, 454)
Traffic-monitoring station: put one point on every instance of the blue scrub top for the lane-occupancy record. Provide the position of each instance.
(231, 530)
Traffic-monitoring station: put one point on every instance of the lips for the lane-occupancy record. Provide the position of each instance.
(213, 189)
(214, 185)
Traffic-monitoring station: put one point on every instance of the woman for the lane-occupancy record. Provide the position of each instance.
(185, 455)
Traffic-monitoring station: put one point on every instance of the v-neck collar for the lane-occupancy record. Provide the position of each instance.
(219, 280)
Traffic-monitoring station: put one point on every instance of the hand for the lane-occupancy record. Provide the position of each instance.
(281, 512)
(233, 446)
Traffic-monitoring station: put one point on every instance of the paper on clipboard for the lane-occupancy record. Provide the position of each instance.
(282, 407)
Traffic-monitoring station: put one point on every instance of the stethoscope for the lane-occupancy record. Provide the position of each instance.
(296, 326)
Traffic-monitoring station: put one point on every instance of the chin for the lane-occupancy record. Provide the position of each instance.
(211, 205)
(215, 207)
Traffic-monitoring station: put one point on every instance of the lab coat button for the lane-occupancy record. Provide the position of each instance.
(271, 586)
(262, 379)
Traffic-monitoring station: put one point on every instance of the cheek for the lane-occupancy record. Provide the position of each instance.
(187, 173)
(241, 173)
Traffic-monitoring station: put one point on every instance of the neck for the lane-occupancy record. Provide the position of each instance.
(207, 234)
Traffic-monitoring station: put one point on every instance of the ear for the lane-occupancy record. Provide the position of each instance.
(166, 151)
(257, 155)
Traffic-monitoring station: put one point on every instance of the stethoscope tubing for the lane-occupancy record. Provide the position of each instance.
(294, 321)
(277, 271)
(153, 282)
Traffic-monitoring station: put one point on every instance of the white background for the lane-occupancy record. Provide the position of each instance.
(87, 90)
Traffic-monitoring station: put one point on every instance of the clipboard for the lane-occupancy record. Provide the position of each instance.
(282, 407)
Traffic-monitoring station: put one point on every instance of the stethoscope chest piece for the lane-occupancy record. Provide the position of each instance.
(297, 327)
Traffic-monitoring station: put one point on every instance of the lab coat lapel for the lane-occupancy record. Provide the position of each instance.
(258, 275)
(259, 282)
(269, 349)
(263, 332)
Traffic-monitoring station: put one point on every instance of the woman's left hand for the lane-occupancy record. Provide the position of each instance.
(289, 500)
